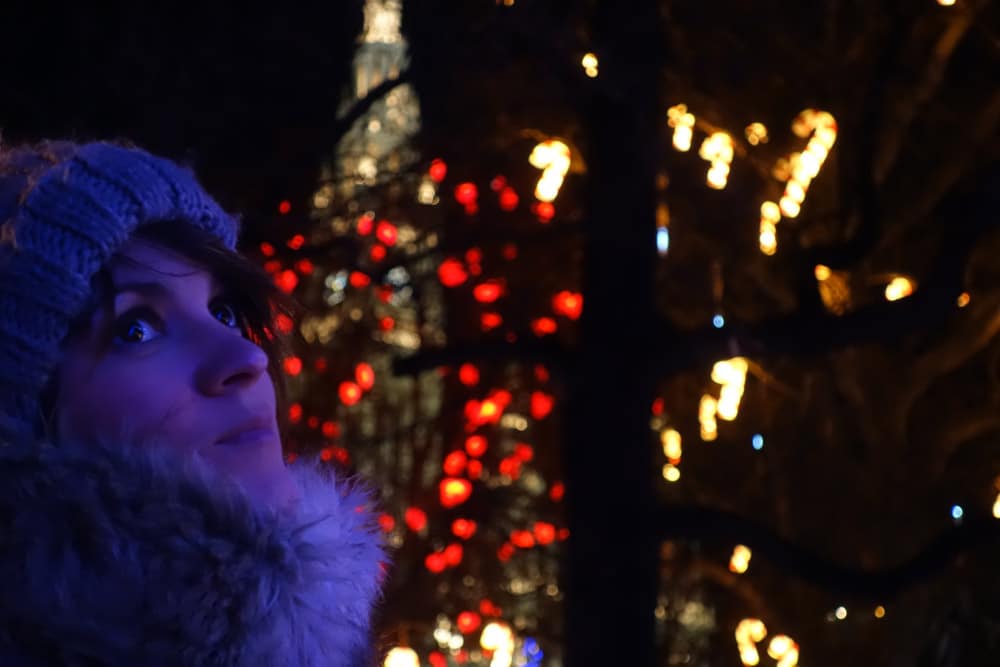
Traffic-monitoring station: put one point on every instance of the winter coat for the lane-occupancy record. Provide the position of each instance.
(131, 556)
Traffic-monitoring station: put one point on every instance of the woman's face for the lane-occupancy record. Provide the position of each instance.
(170, 365)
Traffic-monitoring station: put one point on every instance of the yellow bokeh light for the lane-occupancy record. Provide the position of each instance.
(822, 272)
(671, 473)
(748, 633)
(731, 374)
(401, 656)
(553, 158)
(756, 133)
(946, 3)
(840, 613)
(963, 300)
(898, 288)
(740, 560)
(718, 150)
(880, 612)
(589, 60)
(706, 417)
(768, 238)
(683, 124)
(784, 650)
(996, 508)
(671, 441)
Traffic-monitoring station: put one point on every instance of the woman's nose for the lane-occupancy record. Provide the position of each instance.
(228, 362)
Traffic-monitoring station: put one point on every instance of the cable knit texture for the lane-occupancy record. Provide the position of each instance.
(65, 209)
(134, 556)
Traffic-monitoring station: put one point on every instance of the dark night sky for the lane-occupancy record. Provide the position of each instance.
(248, 97)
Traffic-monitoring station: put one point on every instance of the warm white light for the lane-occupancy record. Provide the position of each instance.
(756, 133)
(717, 149)
(748, 633)
(898, 288)
(740, 560)
(553, 158)
(840, 613)
(401, 656)
(671, 473)
(784, 650)
(706, 417)
(683, 124)
(671, 441)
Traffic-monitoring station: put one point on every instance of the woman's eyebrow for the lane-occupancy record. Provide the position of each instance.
(150, 288)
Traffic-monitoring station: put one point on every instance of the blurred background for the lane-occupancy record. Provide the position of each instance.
(666, 331)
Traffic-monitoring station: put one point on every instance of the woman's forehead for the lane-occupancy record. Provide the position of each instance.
(141, 260)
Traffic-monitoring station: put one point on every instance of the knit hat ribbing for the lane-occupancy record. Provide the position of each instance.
(65, 210)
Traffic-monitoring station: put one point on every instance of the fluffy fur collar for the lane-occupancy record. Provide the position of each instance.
(130, 556)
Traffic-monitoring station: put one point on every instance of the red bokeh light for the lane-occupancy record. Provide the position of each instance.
(468, 621)
(330, 429)
(509, 199)
(476, 445)
(557, 491)
(454, 463)
(438, 170)
(285, 207)
(468, 374)
(497, 183)
(474, 255)
(296, 242)
(454, 491)
(292, 365)
(545, 533)
(349, 392)
(304, 266)
(437, 659)
(543, 326)
(522, 539)
(267, 249)
(451, 273)
(364, 375)
(283, 323)
(386, 232)
(386, 522)
(377, 253)
(272, 265)
(487, 608)
(509, 251)
(463, 528)
(488, 292)
(365, 224)
(474, 469)
(359, 279)
(466, 194)
(568, 303)
(415, 519)
(505, 552)
(544, 211)
(489, 321)
(453, 554)
(541, 373)
(541, 404)
(286, 281)
(524, 451)
(386, 323)
(435, 562)
(295, 413)
(511, 467)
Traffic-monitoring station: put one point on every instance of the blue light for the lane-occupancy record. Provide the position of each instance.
(718, 321)
(662, 240)
(758, 441)
(533, 652)
(957, 512)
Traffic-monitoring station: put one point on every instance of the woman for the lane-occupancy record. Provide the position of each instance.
(146, 513)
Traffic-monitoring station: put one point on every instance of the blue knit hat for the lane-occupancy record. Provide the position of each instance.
(65, 209)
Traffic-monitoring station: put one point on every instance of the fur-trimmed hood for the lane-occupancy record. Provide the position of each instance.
(131, 556)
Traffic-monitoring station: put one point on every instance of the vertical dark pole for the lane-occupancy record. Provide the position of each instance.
(612, 566)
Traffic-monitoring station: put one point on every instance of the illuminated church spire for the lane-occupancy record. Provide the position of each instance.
(377, 147)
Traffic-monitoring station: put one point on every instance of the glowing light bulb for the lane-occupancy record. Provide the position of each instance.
(748, 633)
(671, 473)
(671, 441)
(840, 613)
(662, 240)
(553, 158)
(740, 560)
(589, 63)
(898, 288)
(683, 124)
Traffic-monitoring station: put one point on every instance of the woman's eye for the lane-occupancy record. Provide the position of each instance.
(136, 326)
(226, 313)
